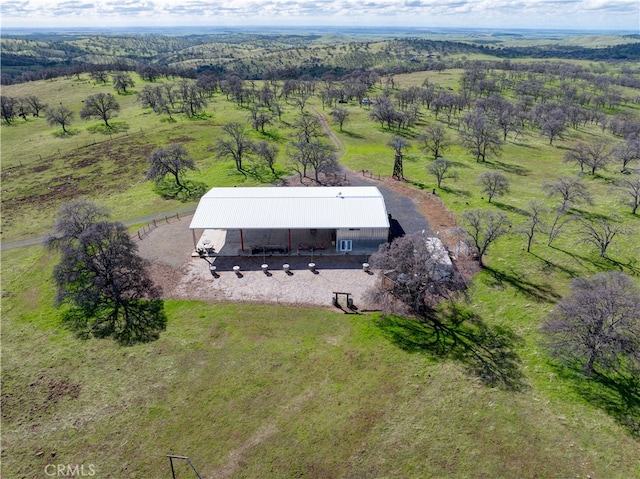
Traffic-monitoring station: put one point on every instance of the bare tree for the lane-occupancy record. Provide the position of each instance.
(267, 153)
(484, 227)
(301, 101)
(572, 190)
(122, 81)
(317, 155)
(626, 152)
(554, 124)
(442, 168)
(631, 188)
(534, 222)
(480, 136)
(307, 127)
(592, 155)
(35, 104)
(557, 223)
(578, 154)
(339, 115)
(597, 323)
(8, 108)
(101, 105)
(99, 76)
(260, 118)
(422, 274)
(236, 145)
(72, 219)
(173, 160)
(493, 184)
(600, 232)
(192, 99)
(434, 140)
(60, 115)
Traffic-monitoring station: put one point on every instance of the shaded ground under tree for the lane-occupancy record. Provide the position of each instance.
(455, 333)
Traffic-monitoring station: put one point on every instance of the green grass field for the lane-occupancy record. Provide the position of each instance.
(268, 391)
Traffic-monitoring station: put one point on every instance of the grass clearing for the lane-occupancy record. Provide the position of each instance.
(267, 391)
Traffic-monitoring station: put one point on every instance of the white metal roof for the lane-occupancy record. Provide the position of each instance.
(291, 207)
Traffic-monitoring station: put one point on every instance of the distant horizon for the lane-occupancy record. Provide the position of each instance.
(580, 15)
(309, 28)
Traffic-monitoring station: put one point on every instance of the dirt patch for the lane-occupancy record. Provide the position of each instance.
(39, 397)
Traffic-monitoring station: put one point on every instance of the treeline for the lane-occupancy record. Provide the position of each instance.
(630, 52)
(257, 57)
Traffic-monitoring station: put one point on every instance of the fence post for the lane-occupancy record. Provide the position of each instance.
(154, 223)
(139, 237)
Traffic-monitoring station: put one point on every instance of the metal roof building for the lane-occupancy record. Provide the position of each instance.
(345, 218)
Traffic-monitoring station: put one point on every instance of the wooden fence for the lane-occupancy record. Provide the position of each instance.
(149, 227)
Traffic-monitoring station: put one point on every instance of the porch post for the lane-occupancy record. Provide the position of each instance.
(195, 243)
(289, 236)
(241, 240)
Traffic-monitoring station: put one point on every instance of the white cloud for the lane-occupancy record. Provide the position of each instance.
(594, 14)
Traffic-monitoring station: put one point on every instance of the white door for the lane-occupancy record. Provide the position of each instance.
(345, 245)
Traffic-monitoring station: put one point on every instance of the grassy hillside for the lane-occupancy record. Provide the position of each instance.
(268, 391)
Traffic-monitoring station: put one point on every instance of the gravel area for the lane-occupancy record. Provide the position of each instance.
(181, 276)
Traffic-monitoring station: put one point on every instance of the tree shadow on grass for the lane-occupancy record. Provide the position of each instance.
(606, 263)
(66, 134)
(616, 393)
(351, 134)
(487, 352)
(509, 168)
(551, 266)
(510, 208)
(538, 292)
(114, 128)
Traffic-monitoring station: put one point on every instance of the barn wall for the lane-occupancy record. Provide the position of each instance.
(362, 238)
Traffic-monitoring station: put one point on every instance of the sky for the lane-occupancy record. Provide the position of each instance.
(532, 14)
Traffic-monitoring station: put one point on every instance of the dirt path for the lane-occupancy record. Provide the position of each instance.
(332, 136)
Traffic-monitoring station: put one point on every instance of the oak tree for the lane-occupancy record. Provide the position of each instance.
(597, 323)
(101, 105)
